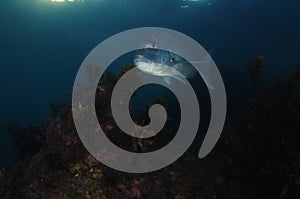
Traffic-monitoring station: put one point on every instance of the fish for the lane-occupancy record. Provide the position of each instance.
(150, 58)
(208, 2)
(185, 6)
(163, 63)
(168, 65)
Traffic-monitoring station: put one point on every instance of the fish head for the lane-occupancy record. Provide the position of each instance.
(156, 55)
(154, 61)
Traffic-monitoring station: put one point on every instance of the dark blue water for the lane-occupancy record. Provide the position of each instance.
(43, 44)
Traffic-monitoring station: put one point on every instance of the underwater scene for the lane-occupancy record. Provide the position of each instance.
(150, 99)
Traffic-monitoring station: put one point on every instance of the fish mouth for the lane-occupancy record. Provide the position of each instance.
(142, 62)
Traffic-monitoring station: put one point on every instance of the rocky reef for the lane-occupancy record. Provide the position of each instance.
(258, 155)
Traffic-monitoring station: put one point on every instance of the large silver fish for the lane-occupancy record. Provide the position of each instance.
(167, 65)
(163, 63)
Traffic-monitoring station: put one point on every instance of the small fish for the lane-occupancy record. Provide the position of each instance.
(184, 6)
